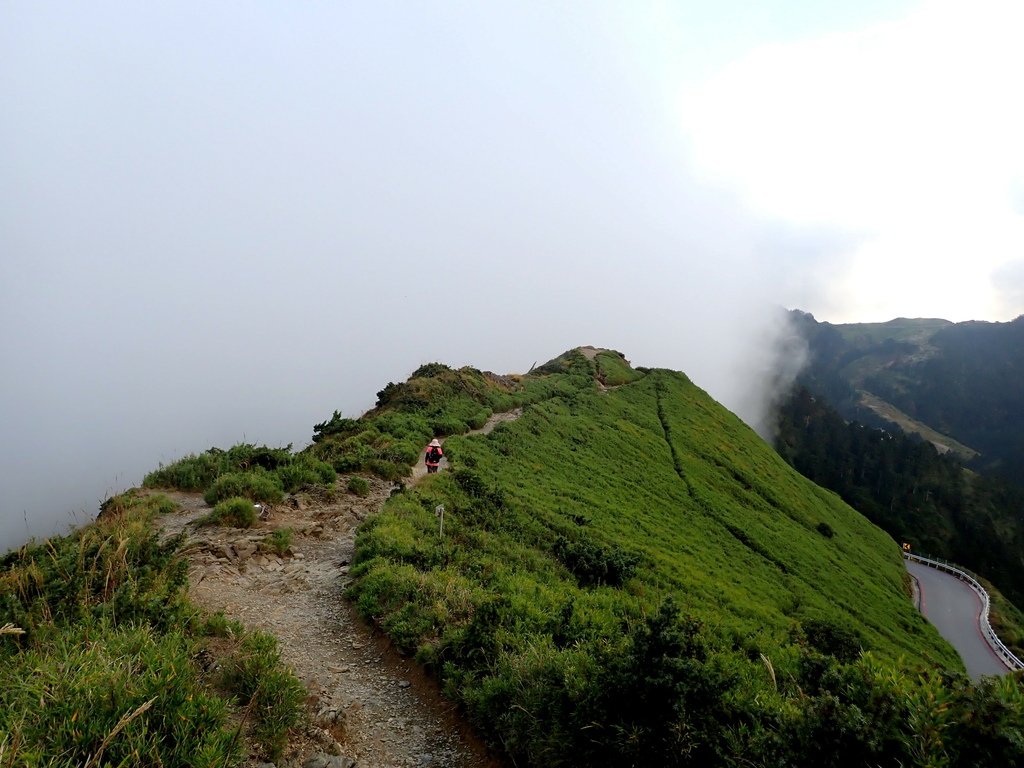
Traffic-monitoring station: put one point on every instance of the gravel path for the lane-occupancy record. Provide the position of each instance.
(368, 703)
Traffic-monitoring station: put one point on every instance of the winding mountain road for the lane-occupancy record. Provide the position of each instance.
(953, 608)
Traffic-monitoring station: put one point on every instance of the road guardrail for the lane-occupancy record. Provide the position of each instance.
(998, 648)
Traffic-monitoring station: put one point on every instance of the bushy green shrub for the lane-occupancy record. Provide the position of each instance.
(197, 473)
(236, 512)
(192, 473)
(219, 625)
(430, 370)
(325, 472)
(479, 419)
(336, 425)
(399, 452)
(296, 476)
(388, 470)
(448, 425)
(358, 486)
(257, 485)
(280, 540)
(306, 470)
(593, 563)
(830, 637)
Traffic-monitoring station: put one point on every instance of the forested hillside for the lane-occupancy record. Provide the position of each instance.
(963, 381)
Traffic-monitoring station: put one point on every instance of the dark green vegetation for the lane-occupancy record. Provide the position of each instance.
(631, 577)
(963, 380)
(254, 472)
(358, 486)
(280, 540)
(952, 385)
(102, 656)
(903, 485)
(236, 512)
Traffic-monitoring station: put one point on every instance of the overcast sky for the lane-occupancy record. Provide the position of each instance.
(222, 221)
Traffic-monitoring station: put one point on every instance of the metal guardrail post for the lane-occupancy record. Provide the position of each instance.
(1005, 654)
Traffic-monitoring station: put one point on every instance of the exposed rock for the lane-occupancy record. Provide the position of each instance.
(321, 760)
(244, 548)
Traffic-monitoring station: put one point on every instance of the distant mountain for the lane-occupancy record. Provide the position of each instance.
(958, 385)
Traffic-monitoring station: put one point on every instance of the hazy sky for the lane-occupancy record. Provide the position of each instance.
(221, 221)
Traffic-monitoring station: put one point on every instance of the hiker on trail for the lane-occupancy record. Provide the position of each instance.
(433, 457)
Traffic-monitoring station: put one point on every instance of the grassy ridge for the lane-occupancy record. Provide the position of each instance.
(628, 576)
(632, 577)
(761, 521)
(737, 534)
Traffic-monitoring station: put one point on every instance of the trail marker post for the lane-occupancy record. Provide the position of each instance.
(439, 512)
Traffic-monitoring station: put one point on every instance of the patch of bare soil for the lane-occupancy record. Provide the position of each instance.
(370, 707)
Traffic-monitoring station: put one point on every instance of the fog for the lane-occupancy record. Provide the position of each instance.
(221, 223)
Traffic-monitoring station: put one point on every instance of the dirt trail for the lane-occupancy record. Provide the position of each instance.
(369, 704)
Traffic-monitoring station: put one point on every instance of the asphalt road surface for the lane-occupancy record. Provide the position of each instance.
(953, 607)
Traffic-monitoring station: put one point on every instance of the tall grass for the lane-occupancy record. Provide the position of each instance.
(98, 650)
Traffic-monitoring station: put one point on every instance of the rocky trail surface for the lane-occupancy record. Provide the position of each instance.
(370, 707)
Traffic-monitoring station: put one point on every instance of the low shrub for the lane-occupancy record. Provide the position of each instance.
(236, 512)
(219, 625)
(192, 473)
(399, 451)
(593, 563)
(388, 470)
(197, 473)
(832, 638)
(448, 425)
(115, 569)
(305, 471)
(336, 425)
(359, 486)
(296, 476)
(257, 485)
(280, 540)
(104, 659)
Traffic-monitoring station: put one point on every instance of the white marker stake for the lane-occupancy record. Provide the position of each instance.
(439, 511)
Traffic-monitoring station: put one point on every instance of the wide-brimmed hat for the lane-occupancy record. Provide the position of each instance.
(435, 443)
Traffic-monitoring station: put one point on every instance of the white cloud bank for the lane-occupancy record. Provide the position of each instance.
(906, 132)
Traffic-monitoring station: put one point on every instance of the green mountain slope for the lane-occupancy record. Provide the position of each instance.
(627, 576)
(632, 575)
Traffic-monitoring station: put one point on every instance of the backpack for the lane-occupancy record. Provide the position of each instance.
(435, 455)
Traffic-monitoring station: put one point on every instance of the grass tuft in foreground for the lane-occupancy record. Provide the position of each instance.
(100, 656)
